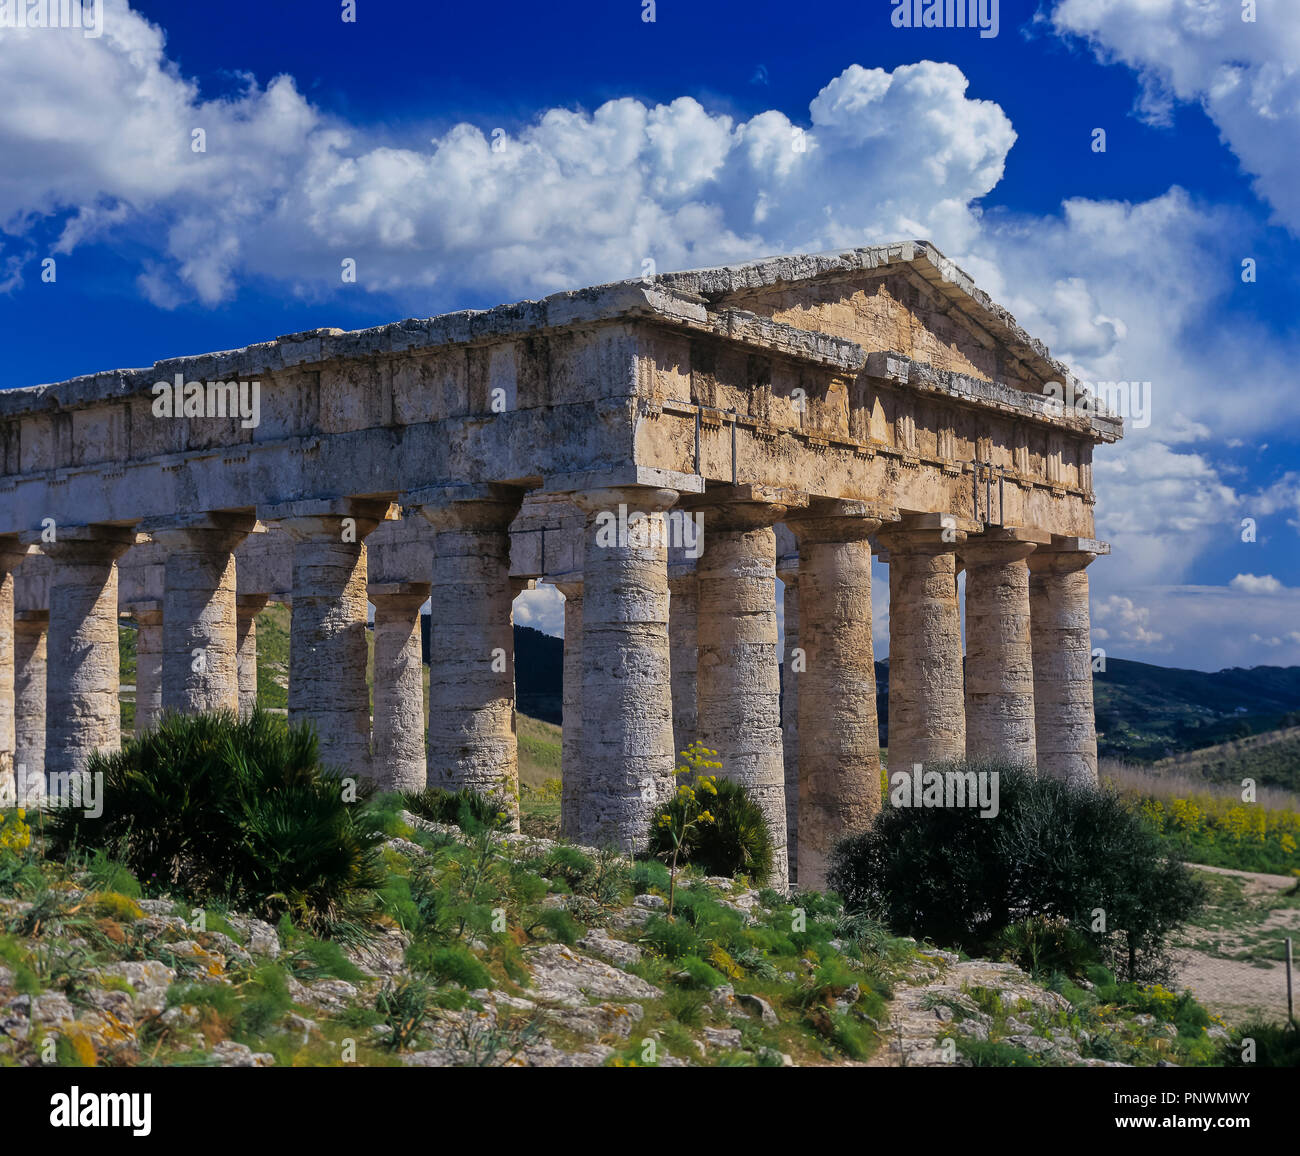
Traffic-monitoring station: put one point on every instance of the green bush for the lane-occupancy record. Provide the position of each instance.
(949, 875)
(465, 809)
(240, 811)
(737, 841)
(1276, 1046)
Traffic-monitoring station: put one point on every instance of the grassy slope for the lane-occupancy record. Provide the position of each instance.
(1147, 712)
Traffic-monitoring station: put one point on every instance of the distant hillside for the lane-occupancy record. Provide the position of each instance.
(1147, 712)
(1271, 759)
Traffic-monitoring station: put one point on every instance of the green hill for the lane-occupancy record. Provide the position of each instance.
(1147, 712)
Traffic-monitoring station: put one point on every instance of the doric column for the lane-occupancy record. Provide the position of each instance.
(927, 713)
(739, 680)
(397, 745)
(327, 629)
(247, 608)
(787, 569)
(1060, 632)
(472, 741)
(11, 554)
(627, 712)
(572, 787)
(999, 659)
(839, 735)
(683, 649)
(83, 672)
(200, 670)
(148, 663)
(30, 627)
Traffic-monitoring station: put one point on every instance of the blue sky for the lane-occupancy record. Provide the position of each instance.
(328, 139)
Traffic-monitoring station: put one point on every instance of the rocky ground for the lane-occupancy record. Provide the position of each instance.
(91, 976)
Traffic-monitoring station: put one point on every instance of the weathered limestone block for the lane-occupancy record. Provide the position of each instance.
(200, 668)
(327, 632)
(397, 746)
(82, 711)
(683, 647)
(839, 737)
(927, 714)
(247, 608)
(627, 714)
(572, 785)
(999, 657)
(148, 663)
(30, 629)
(739, 681)
(472, 740)
(787, 569)
(1060, 630)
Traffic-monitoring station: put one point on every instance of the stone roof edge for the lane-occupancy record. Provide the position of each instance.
(943, 274)
(682, 298)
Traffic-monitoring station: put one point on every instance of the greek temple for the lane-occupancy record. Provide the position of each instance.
(660, 450)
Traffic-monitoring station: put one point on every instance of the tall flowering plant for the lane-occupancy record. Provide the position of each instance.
(689, 806)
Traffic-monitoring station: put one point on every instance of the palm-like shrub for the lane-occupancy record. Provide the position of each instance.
(238, 810)
(735, 839)
(1078, 854)
(466, 809)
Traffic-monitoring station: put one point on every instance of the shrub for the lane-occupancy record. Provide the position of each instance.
(946, 874)
(239, 811)
(1275, 1046)
(465, 809)
(1044, 944)
(733, 841)
(698, 974)
(454, 964)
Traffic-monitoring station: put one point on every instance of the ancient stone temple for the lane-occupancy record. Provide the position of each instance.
(660, 450)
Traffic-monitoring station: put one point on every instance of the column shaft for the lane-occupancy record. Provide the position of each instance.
(1065, 728)
(839, 735)
(472, 741)
(148, 664)
(927, 716)
(999, 658)
(82, 709)
(327, 632)
(572, 784)
(200, 668)
(247, 608)
(397, 745)
(787, 569)
(683, 649)
(30, 630)
(9, 561)
(739, 677)
(627, 715)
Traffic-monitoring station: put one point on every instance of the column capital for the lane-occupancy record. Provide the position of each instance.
(832, 520)
(217, 530)
(488, 507)
(1001, 545)
(147, 611)
(322, 517)
(747, 506)
(570, 585)
(88, 543)
(12, 552)
(249, 605)
(646, 499)
(398, 592)
(1054, 560)
(34, 618)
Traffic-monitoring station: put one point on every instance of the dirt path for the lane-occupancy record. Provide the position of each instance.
(1232, 960)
